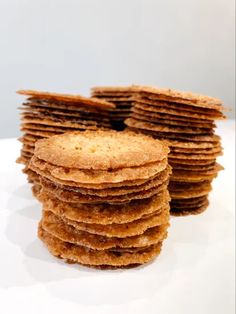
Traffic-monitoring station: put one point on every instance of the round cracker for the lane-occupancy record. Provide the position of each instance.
(164, 128)
(101, 150)
(176, 112)
(190, 211)
(173, 123)
(82, 255)
(105, 213)
(72, 195)
(58, 228)
(75, 99)
(99, 176)
(124, 230)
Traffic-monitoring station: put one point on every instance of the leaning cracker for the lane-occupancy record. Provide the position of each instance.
(67, 98)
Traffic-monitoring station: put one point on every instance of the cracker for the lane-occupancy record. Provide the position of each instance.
(189, 201)
(194, 176)
(172, 122)
(22, 160)
(176, 112)
(54, 225)
(168, 117)
(26, 141)
(164, 128)
(190, 193)
(184, 205)
(75, 99)
(193, 145)
(61, 120)
(198, 168)
(105, 213)
(28, 148)
(125, 190)
(186, 177)
(194, 156)
(101, 150)
(99, 176)
(39, 133)
(124, 230)
(32, 138)
(190, 211)
(172, 95)
(82, 255)
(112, 90)
(43, 169)
(55, 126)
(72, 195)
(177, 106)
(192, 162)
(111, 191)
(69, 111)
(197, 151)
(213, 138)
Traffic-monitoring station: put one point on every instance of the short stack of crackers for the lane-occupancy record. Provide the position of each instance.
(45, 114)
(121, 97)
(104, 196)
(186, 122)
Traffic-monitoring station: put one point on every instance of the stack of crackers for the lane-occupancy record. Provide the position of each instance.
(104, 195)
(122, 97)
(45, 114)
(186, 122)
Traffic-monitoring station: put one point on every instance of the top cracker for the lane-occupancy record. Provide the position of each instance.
(74, 99)
(172, 95)
(112, 91)
(101, 150)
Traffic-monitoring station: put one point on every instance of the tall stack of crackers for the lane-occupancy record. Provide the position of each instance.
(46, 114)
(186, 122)
(121, 97)
(104, 196)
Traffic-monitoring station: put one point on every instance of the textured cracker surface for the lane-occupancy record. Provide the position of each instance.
(124, 230)
(82, 255)
(177, 112)
(67, 98)
(99, 176)
(58, 228)
(161, 128)
(73, 196)
(100, 150)
(106, 213)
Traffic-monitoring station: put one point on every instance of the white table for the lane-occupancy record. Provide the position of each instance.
(194, 273)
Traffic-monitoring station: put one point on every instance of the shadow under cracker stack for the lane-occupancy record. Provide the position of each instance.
(46, 114)
(104, 196)
(186, 122)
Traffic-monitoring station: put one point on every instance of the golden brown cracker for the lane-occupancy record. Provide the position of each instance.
(164, 128)
(124, 230)
(105, 149)
(72, 195)
(106, 213)
(57, 227)
(172, 123)
(75, 99)
(177, 112)
(99, 176)
(82, 255)
(189, 211)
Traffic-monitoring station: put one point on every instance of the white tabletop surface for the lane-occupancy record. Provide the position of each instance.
(193, 274)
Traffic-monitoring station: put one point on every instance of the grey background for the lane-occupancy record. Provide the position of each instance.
(71, 45)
